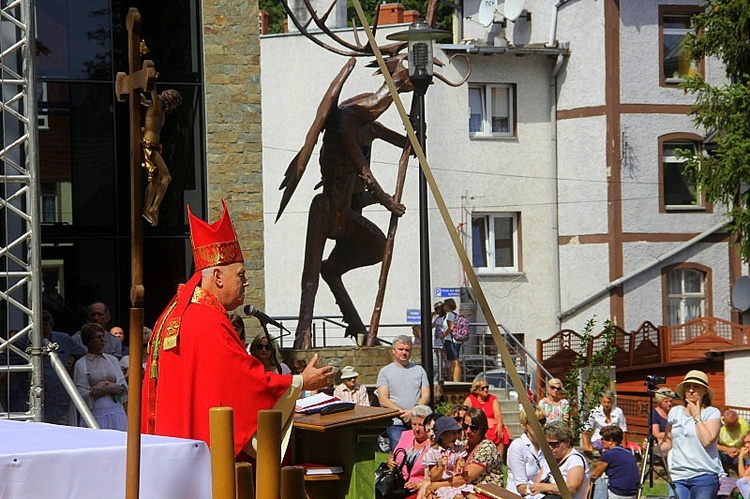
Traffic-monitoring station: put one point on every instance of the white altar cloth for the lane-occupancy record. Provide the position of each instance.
(39, 460)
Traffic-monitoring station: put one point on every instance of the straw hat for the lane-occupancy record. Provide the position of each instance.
(665, 392)
(697, 377)
(348, 372)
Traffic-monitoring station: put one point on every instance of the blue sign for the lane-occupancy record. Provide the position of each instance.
(413, 316)
(447, 292)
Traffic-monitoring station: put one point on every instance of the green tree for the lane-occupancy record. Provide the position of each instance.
(589, 377)
(722, 31)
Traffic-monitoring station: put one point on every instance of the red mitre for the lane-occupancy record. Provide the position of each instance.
(214, 244)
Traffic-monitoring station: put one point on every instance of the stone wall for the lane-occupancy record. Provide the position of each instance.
(366, 360)
(233, 128)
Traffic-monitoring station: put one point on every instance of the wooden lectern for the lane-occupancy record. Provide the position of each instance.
(346, 439)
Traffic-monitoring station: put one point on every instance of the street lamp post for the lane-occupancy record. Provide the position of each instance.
(420, 37)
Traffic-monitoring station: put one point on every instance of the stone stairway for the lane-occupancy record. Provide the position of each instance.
(511, 410)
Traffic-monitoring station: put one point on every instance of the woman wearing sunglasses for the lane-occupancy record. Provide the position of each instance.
(573, 465)
(489, 404)
(483, 463)
(555, 406)
(268, 354)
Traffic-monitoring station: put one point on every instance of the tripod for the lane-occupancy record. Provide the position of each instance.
(648, 455)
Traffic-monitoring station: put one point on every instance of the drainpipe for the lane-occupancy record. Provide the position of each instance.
(553, 166)
(553, 24)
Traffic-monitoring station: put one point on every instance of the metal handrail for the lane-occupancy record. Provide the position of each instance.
(322, 333)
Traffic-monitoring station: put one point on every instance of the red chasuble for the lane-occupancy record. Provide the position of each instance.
(196, 362)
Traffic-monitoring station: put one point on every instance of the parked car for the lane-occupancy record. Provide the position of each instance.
(475, 364)
(499, 379)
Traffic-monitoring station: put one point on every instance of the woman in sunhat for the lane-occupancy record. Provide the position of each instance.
(692, 433)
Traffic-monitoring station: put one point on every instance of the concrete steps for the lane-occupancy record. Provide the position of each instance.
(511, 411)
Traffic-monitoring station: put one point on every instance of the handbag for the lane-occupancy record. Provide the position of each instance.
(389, 483)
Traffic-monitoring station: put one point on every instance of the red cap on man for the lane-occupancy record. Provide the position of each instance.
(214, 244)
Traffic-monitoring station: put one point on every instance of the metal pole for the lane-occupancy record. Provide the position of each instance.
(425, 294)
(70, 387)
(32, 206)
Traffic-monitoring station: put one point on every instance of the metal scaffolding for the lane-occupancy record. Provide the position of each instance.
(20, 238)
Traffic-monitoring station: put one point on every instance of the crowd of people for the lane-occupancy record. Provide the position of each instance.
(95, 358)
(452, 454)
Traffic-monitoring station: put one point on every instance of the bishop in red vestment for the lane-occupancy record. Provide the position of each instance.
(196, 361)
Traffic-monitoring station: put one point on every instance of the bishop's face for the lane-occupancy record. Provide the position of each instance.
(233, 283)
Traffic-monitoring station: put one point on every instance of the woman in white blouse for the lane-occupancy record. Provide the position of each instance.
(100, 381)
(605, 414)
(524, 457)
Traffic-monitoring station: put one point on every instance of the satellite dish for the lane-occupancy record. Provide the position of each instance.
(487, 9)
(512, 9)
(741, 293)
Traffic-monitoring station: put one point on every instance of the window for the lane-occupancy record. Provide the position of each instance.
(42, 117)
(495, 242)
(686, 295)
(492, 110)
(678, 191)
(675, 63)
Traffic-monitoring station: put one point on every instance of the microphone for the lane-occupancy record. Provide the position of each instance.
(263, 318)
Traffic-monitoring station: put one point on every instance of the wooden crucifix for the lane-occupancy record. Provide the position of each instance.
(131, 85)
(145, 151)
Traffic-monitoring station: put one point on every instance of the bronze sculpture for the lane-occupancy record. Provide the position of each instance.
(349, 128)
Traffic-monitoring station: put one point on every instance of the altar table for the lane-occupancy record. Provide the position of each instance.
(52, 461)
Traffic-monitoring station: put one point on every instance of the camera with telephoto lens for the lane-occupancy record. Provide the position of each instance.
(653, 380)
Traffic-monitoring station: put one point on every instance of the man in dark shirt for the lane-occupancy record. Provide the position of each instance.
(619, 463)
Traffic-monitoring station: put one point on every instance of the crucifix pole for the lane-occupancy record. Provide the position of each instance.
(130, 86)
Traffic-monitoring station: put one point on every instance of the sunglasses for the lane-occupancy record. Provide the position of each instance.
(485, 387)
(471, 427)
(264, 347)
(556, 388)
(553, 444)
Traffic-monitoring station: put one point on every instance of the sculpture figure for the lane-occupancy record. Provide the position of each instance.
(158, 173)
(349, 128)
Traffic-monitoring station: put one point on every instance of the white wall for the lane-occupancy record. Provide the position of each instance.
(736, 380)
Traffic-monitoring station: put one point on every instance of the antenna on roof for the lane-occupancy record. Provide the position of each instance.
(513, 9)
(487, 10)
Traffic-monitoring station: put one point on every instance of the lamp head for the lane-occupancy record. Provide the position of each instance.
(420, 37)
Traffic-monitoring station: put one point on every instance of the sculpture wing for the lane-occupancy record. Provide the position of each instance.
(328, 104)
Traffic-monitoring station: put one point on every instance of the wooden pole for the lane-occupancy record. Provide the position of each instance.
(385, 267)
(222, 452)
(292, 482)
(132, 480)
(269, 454)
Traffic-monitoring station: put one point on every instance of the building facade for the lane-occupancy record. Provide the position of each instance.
(558, 161)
